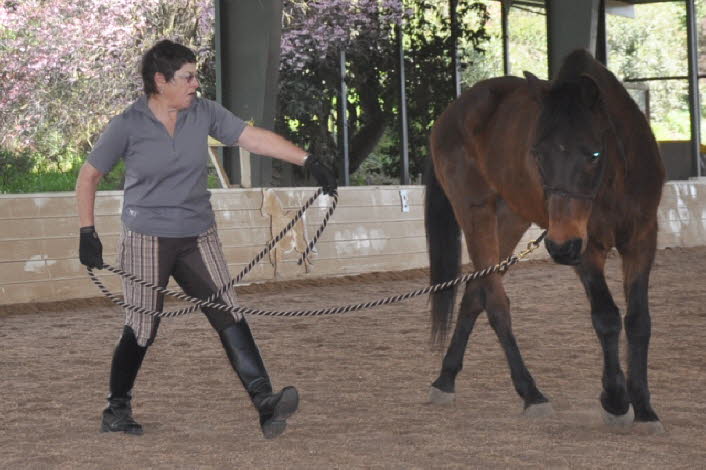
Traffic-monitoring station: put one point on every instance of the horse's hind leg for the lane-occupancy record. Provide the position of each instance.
(497, 305)
(606, 322)
(510, 230)
(443, 388)
(637, 263)
(492, 232)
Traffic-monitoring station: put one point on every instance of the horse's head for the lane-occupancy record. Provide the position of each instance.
(569, 149)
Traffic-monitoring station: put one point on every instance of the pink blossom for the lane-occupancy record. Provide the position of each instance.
(71, 64)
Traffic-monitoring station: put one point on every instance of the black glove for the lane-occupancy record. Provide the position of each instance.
(323, 174)
(90, 250)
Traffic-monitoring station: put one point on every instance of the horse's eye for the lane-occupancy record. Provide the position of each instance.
(595, 156)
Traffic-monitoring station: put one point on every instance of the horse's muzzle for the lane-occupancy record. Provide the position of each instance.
(568, 252)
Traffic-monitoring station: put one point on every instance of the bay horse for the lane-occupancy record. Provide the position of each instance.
(577, 157)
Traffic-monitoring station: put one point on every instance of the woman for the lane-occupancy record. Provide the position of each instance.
(169, 226)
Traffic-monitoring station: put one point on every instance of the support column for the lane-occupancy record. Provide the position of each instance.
(601, 39)
(404, 137)
(247, 64)
(571, 24)
(455, 66)
(344, 174)
(504, 14)
(694, 99)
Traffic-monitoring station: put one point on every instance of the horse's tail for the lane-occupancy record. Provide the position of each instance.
(444, 245)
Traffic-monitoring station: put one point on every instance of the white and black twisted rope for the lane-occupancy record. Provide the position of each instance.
(209, 302)
(321, 229)
(498, 268)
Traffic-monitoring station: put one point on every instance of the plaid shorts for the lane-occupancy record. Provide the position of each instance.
(154, 260)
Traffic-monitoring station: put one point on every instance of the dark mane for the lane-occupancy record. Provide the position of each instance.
(564, 101)
(562, 104)
(576, 64)
(580, 63)
(633, 133)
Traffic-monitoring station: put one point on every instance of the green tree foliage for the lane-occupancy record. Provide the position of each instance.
(313, 35)
(430, 80)
(527, 45)
(68, 66)
(653, 44)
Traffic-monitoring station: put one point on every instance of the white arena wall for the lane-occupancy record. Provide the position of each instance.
(375, 228)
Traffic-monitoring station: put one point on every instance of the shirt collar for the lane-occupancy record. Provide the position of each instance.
(141, 106)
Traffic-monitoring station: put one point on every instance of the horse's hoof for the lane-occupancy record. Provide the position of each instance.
(539, 410)
(437, 397)
(619, 421)
(650, 428)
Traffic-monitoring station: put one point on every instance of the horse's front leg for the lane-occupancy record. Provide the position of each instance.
(606, 322)
(637, 263)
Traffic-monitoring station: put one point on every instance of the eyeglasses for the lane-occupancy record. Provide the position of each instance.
(188, 78)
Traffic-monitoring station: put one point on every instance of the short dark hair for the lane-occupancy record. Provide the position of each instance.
(165, 57)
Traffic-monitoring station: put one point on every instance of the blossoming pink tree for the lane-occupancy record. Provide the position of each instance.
(69, 65)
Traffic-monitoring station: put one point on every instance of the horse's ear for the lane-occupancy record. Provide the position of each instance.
(590, 91)
(537, 87)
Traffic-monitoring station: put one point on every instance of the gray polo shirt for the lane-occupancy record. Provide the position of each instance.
(166, 177)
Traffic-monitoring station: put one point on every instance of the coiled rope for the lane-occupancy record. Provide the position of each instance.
(209, 302)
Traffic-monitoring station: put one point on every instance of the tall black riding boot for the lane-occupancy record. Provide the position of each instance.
(274, 408)
(127, 359)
